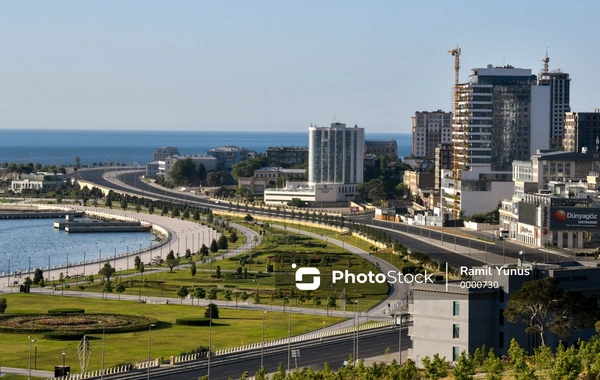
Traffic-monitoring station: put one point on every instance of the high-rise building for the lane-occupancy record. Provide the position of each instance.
(336, 154)
(429, 129)
(582, 129)
(501, 115)
(559, 84)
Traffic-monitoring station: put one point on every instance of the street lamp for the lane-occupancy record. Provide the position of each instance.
(149, 342)
(289, 337)
(29, 370)
(209, 339)
(63, 366)
(522, 254)
(262, 346)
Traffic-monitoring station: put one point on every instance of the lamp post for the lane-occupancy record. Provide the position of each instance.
(29, 369)
(63, 366)
(262, 346)
(149, 342)
(102, 371)
(210, 339)
(289, 337)
(522, 254)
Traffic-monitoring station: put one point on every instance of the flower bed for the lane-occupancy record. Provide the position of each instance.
(70, 323)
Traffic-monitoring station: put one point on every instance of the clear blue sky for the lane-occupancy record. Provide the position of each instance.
(272, 65)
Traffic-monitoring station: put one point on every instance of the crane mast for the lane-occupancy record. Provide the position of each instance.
(456, 54)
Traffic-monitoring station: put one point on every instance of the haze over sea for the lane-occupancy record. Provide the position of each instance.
(61, 146)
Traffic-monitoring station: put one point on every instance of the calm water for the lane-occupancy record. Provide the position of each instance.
(22, 240)
(60, 147)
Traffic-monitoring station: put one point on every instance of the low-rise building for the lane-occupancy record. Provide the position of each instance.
(266, 177)
(381, 147)
(37, 181)
(228, 155)
(449, 318)
(292, 155)
(163, 152)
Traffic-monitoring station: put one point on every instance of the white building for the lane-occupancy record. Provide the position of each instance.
(163, 152)
(164, 167)
(37, 181)
(336, 154)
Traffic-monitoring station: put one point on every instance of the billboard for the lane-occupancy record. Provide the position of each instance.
(574, 218)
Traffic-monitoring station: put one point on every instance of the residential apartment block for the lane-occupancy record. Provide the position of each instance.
(429, 129)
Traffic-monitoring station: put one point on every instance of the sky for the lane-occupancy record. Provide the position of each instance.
(272, 65)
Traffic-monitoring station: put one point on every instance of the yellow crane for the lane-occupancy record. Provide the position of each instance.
(456, 54)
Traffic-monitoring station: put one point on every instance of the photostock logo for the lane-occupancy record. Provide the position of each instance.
(307, 271)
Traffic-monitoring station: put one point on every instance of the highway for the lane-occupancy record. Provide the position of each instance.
(332, 350)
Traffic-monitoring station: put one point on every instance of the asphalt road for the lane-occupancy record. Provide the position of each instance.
(334, 353)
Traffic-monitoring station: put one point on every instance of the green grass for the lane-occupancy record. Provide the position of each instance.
(234, 328)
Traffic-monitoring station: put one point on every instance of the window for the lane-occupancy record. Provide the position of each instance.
(455, 354)
(456, 308)
(455, 331)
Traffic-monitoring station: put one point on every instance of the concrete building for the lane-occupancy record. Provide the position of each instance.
(228, 155)
(37, 181)
(448, 320)
(163, 152)
(381, 147)
(429, 129)
(292, 155)
(267, 178)
(418, 180)
(501, 115)
(336, 154)
(560, 100)
(582, 130)
(443, 160)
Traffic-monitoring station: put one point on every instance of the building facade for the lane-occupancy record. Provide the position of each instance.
(449, 319)
(163, 152)
(560, 101)
(336, 154)
(429, 129)
(37, 181)
(500, 116)
(582, 130)
(381, 147)
(292, 155)
(228, 155)
(267, 178)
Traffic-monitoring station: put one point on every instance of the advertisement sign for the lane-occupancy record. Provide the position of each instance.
(525, 229)
(573, 218)
(545, 218)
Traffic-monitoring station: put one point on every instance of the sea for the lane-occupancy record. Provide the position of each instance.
(32, 243)
(61, 147)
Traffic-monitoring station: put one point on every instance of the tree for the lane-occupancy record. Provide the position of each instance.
(493, 367)
(408, 371)
(214, 248)
(193, 270)
(136, 263)
(222, 243)
(151, 209)
(218, 272)
(172, 262)
(244, 296)
(184, 173)
(465, 368)
(107, 271)
(256, 298)
(107, 288)
(182, 292)
(38, 275)
(124, 204)
(212, 295)
(227, 296)
(120, 288)
(212, 311)
(3, 305)
(199, 293)
(543, 306)
(233, 236)
(436, 368)
(108, 202)
(204, 250)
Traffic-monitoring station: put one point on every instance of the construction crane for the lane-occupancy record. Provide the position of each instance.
(456, 54)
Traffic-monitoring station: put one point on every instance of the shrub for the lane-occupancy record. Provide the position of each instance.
(193, 321)
(66, 311)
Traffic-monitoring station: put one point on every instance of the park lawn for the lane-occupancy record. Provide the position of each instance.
(233, 328)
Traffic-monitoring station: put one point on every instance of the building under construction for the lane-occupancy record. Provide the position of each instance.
(500, 115)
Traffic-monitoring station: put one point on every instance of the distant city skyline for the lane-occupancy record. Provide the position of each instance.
(272, 66)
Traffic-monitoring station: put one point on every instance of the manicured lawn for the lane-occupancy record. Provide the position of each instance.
(234, 328)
